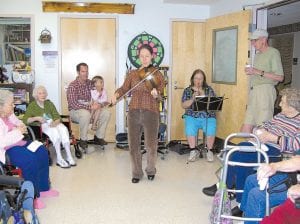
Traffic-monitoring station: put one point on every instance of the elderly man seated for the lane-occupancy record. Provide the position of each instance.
(80, 107)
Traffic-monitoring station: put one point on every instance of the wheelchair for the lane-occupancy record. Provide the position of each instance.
(35, 133)
(13, 193)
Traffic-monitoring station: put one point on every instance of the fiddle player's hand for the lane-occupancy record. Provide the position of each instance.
(114, 99)
(154, 93)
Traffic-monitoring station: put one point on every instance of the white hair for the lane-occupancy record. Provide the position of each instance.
(5, 95)
(38, 88)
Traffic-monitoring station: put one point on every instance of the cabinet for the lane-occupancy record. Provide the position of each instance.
(15, 43)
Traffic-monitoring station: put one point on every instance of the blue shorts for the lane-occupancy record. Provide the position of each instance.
(192, 125)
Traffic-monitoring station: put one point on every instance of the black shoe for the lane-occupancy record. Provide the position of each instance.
(236, 211)
(135, 180)
(210, 191)
(83, 144)
(151, 177)
(231, 195)
(99, 141)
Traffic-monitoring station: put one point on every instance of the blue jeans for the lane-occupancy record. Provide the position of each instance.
(253, 202)
(239, 173)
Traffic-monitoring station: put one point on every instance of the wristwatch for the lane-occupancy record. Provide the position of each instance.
(262, 73)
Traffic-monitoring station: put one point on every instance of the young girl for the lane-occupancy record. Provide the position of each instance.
(98, 95)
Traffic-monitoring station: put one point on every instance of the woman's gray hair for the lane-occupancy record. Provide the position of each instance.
(5, 95)
(36, 89)
(292, 97)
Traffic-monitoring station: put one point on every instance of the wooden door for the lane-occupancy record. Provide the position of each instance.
(230, 119)
(188, 41)
(93, 41)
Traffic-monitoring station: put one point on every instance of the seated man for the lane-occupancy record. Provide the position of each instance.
(281, 134)
(254, 200)
(80, 106)
(195, 120)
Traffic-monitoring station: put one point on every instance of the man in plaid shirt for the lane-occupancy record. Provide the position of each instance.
(79, 105)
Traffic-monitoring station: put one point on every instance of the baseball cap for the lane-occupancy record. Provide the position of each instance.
(258, 33)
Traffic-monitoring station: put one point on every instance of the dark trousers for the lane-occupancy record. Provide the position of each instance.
(34, 165)
(148, 122)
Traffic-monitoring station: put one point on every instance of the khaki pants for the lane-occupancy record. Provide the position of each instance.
(260, 106)
(83, 117)
(148, 122)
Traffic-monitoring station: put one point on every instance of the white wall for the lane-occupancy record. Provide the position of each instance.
(296, 68)
(151, 16)
(228, 6)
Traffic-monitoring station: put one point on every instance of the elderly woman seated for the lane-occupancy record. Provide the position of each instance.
(281, 134)
(44, 112)
(31, 157)
(254, 200)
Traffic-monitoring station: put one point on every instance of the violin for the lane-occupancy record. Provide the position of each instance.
(148, 76)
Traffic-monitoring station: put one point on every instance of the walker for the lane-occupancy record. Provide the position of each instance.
(224, 156)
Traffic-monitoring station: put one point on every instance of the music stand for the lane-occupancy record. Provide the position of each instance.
(207, 104)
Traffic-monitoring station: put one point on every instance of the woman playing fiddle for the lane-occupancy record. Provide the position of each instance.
(143, 114)
(195, 120)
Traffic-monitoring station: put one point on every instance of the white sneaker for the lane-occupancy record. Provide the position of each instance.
(71, 162)
(210, 156)
(194, 154)
(62, 163)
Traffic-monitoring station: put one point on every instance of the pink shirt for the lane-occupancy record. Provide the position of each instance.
(99, 97)
(10, 126)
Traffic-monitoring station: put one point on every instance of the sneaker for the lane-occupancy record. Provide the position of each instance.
(210, 191)
(194, 154)
(49, 194)
(83, 144)
(210, 156)
(71, 162)
(38, 204)
(62, 163)
(99, 141)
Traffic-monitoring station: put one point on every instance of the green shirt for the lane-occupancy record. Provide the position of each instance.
(34, 110)
(268, 61)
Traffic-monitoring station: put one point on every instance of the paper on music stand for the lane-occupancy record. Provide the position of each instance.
(205, 103)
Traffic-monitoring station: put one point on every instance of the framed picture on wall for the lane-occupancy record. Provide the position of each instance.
(224, 59)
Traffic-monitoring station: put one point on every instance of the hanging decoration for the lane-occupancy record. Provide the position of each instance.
(138, 41)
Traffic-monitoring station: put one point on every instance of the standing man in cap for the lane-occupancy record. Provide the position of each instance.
(265, 73)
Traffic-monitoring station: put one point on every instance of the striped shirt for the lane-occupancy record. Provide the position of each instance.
(141, 97)
(79, 95)
(288, 129)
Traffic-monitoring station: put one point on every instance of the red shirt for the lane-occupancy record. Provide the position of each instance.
(79, 95)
